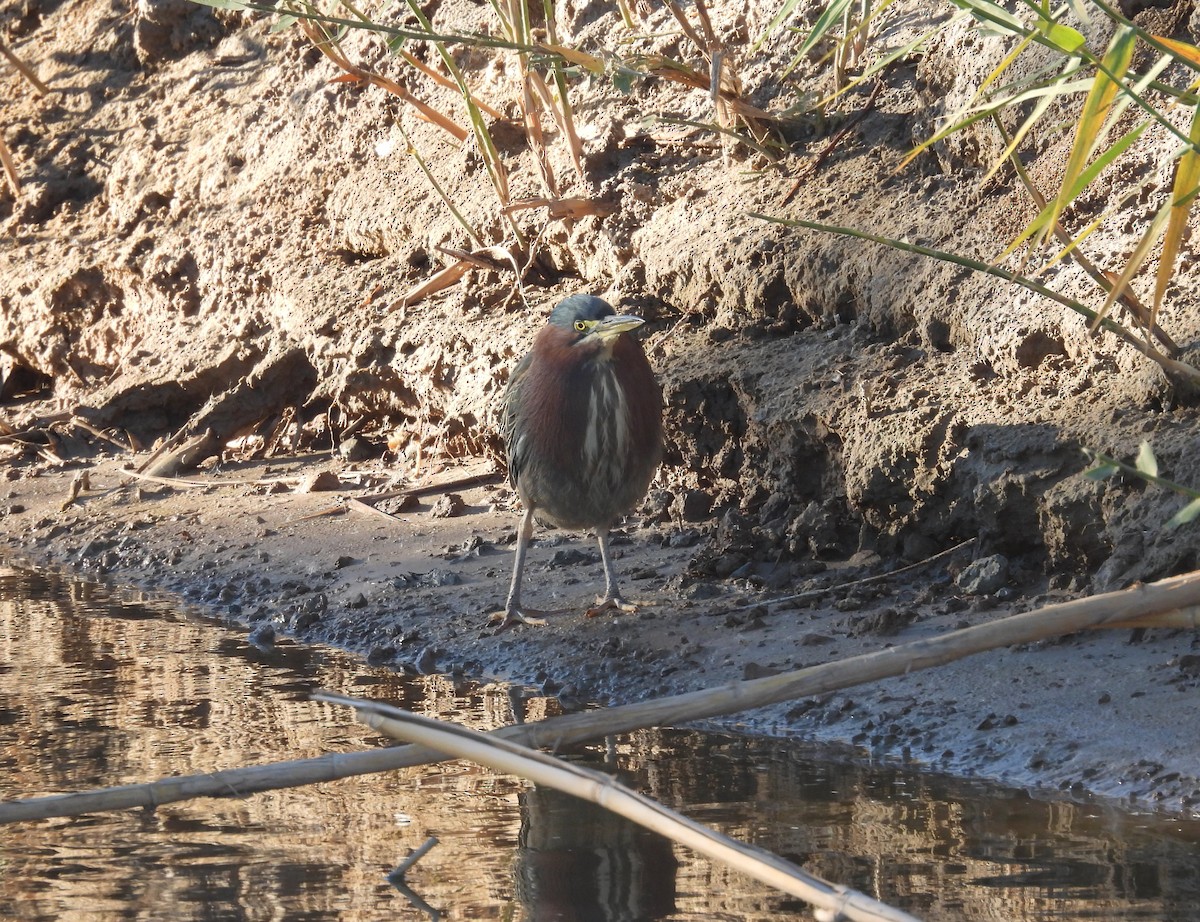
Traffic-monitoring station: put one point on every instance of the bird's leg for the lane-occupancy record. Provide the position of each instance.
(612, 596)
(514, 613)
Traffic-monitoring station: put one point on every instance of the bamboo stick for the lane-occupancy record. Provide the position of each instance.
(837, 902)
(1140, 605)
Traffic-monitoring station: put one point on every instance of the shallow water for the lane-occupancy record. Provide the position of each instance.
(100, 688)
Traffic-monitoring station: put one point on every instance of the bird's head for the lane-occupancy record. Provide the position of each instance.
(590, 323)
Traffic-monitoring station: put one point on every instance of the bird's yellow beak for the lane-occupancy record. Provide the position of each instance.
(609, 328)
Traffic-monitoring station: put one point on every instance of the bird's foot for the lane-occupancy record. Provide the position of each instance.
(611, 603)
(512, 616)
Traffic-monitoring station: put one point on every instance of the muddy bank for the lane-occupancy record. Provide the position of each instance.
(211, 252)
(1095, 714)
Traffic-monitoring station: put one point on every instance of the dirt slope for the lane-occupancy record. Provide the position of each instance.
(210, 245)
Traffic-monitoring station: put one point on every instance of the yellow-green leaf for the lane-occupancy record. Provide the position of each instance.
(1139, 256)
(1048, 217)
(1064, 37)
(587, 61)
(1185, 50)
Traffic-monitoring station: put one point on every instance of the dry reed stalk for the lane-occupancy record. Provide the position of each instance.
(435, 283)
(6, 160)
(332, 50)
(459, 742)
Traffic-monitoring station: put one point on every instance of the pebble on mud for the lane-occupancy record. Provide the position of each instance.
(447, 506)
(685, 538)
(983, 576)
(698, 591)
(320, 482)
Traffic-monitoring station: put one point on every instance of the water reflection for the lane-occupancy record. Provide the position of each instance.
(103, 689)
(577, 862)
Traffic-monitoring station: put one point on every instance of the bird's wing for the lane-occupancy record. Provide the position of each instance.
(515, 451)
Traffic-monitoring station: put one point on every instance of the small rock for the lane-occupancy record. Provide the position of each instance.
(698, 591)
(427, 661)
(727, 564)
(442, 578)
(344, 561)
(885, 621)
(983, 576)
(322, 481)
(380, 656)
(262, 636)
(355, 449)
(1189, 664)
(657, 506)
(865, 558)
(569, 557)
(397, 504)
(686, 538)
(447, 506)
(755, 671)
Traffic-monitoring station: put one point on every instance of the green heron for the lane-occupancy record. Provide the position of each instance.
(583, 427)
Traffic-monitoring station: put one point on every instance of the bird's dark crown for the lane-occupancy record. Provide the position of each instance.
(579, 307)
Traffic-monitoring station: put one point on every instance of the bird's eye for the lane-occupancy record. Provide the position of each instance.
(580, 325)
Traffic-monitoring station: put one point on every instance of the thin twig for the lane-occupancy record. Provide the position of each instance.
(837, 138)
(26, 71)
(89, 428)
(416, 855)
(842, 587)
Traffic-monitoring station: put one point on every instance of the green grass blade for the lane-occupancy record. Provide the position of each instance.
(1146, 463)
(1035, 115)
(1177, 370)
(967, 263)
(969, 116)
(1102, 472)
(1185, 515)
(832, 16)
(437, 187)
(776, 21)
(1092, 120)
(1049, 216)
(876, 66)
(994, 15)
(1139, 256)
